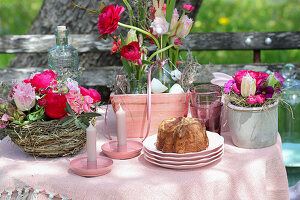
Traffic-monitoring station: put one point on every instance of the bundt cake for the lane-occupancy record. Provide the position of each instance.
(181, 135)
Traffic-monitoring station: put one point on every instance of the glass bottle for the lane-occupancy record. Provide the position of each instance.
(63, 58)
(288, 125)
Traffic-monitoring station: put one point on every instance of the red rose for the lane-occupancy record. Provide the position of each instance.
(115, 47)
(109, 18)
(131, 51)
(90, 92)
(42, 81)
(55, 105)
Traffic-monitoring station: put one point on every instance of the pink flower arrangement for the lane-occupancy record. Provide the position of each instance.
(250, 88)
(42, 98)
(166, 29)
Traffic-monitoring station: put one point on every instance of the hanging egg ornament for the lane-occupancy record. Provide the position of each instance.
(176, 75)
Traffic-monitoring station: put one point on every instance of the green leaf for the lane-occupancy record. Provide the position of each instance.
(77, 123)
(86, 121)
(82, 125)
(65, 119)
(68, 122)
(69, 110)
(90, 115)
(169, 11)
(123, 43)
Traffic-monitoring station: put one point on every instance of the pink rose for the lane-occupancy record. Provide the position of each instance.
(4, 120)
(55, 105)
(43, 81)
(188, 8)
(91, 93)
(131, 51)
(109, 18)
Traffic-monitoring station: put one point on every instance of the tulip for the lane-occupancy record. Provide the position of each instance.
(131, 36)
(184, 27)
(248, 86)
(24, 96)
(160, 26)
(175, 17)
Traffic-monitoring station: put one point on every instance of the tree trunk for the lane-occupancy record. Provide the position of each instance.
(59, 12)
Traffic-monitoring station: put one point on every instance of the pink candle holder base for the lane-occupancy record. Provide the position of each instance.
(82, 167)
(131, 150)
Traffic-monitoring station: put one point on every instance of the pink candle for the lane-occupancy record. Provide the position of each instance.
(121, 126)
(91, 146)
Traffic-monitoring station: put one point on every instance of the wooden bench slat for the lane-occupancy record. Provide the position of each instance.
(103, 76)
(194, 42)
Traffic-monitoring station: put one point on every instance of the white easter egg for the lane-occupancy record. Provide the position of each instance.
(176, 89)
(157, 86)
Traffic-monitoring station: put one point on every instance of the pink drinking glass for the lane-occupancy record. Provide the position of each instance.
(206, 105)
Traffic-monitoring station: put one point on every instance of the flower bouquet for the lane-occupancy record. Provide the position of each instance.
(155, 34)
(46, 117)
(253, 107)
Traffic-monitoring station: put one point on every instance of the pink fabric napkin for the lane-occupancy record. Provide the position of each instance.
(240, 174)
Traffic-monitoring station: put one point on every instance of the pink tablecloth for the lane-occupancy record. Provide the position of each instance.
(241, 174)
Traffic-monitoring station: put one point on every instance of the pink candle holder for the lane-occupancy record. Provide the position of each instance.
(130, 150)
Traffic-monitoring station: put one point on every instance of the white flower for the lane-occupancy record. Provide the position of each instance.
(72, 85)
(248, 86)
(160, 26)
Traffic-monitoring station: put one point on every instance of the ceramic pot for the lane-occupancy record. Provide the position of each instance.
(253, 128)
(163, 106)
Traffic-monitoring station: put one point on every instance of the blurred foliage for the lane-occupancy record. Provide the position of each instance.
(247, 16)
(16, 17)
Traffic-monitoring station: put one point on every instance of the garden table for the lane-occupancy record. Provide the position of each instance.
(240, 174)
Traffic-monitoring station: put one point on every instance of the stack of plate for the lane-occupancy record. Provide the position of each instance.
(213, 153)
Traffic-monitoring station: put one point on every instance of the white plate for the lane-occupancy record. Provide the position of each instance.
(215, 141)
(189, 162)
(184, 166)
(192, 158)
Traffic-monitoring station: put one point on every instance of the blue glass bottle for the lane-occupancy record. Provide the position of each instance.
(63, 58)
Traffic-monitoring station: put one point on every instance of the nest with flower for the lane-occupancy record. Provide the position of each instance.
(47, 117)
(157, 25)
(253, 89)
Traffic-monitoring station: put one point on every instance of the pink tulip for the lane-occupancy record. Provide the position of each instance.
(24, 96)
(184, 27)
(174, 21)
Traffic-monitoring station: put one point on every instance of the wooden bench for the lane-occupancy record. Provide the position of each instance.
(103, 76)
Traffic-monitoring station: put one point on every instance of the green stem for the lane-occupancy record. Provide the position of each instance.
(160, 51)
(130, 11)
(142, 31)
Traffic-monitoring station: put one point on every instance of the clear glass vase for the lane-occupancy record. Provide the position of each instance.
(137, 87)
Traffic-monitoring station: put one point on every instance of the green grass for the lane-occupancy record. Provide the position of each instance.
(247, 16)
(16, 17)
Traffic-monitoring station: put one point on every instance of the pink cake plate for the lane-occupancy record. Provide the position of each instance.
(133, 149)
(81, 168)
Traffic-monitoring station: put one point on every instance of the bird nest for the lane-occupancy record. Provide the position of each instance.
(47, 139)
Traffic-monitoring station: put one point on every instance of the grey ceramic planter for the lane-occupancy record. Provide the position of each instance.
(253, 128)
